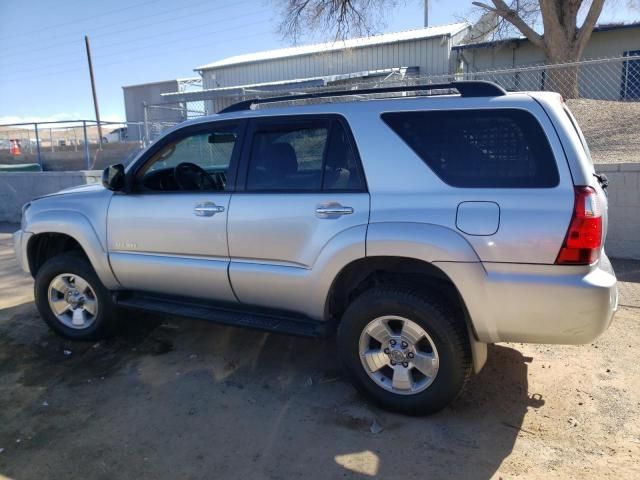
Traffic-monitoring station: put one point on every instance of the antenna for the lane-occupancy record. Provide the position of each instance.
(426, 13)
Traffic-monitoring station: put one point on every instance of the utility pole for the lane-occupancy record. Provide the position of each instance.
(426, 13)
(93, 90)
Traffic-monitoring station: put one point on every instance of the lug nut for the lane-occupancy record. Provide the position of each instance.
(393, 363)
(404, 344)
(386, 350)
(405, 364)
(392, 342)
(410, 355)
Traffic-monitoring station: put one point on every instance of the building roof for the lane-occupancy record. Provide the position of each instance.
(279, 86)
(418, 34)
(521, 39)
(160, 82)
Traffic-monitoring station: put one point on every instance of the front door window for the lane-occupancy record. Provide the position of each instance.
(197, 162)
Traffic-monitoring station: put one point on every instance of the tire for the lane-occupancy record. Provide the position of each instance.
(69, 272)
(446, 346)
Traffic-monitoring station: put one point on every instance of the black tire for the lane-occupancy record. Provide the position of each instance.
(443, 324)
(106, 319)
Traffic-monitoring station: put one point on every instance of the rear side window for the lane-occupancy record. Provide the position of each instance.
(288, 157)
(498, 148)
(303, 155)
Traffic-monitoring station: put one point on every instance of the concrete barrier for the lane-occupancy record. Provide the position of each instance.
(67, 159)
(623, 236)
(17, 188)
(623, 239)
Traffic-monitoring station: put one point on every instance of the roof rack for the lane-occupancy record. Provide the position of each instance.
(466, 88)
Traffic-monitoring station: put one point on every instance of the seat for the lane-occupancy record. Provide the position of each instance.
(275, 163)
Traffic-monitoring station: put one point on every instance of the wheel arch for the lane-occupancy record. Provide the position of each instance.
(55, 232)
(365, 273)
(43, 246)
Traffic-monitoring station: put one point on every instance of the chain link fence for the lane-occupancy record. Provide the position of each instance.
(70, 145)
(160, 117)
(604, 95)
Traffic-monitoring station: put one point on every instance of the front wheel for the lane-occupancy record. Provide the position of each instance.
(404, 350)
(72, 300)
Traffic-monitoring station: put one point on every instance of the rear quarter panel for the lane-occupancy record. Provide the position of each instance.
(533, 222)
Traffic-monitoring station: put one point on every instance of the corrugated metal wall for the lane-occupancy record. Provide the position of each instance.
(431, 55)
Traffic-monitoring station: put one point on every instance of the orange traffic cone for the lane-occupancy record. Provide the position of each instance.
(14, 149)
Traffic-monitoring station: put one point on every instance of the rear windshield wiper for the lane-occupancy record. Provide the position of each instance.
(602, 179)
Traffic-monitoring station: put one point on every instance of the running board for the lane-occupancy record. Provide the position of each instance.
(290, 324)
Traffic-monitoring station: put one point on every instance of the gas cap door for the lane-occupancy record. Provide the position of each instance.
(478, 218)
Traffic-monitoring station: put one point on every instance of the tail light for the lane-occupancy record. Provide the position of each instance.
(584, 238)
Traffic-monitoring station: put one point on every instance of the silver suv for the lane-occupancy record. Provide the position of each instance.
(421, 226)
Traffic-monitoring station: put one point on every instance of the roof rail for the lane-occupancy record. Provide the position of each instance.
(466, 88)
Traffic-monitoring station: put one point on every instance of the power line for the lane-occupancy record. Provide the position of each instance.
(111, 32)
(164, 52)
(118, 10)
(142, 47)
(133, 41)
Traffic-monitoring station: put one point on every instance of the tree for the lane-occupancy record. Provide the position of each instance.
(561, 40)
(342, 18)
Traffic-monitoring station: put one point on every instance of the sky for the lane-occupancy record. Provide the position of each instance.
(45, 75)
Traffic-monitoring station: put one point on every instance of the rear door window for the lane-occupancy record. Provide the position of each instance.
(303, 155)
(497, 148)
(288, 157)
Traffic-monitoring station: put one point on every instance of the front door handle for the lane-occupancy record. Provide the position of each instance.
(207, 209)
(333, 211)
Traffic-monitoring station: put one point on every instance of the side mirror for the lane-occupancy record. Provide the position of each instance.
(113, 177)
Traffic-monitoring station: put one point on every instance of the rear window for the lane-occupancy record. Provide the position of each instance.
(498, 148)
(583, 141)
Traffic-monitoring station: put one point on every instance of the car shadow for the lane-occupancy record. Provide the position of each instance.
(7, 227)
(170, 396)
(627, 270)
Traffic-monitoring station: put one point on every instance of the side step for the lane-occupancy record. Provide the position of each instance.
(278, 322)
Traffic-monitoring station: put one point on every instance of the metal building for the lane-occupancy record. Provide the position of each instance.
(425, 51)
(610, 80)
(137, 96)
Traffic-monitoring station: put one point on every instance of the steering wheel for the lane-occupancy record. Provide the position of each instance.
(190, 176)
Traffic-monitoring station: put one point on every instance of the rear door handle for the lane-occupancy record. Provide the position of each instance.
(207, 209)
(333, 211)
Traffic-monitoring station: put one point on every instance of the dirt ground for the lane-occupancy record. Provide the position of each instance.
(172, 398)
(611, 129)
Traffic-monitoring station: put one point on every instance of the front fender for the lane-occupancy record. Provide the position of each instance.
(78, 227)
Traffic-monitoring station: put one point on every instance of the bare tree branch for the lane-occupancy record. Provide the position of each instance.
(584, 32)
(340, 18)
(511, 15)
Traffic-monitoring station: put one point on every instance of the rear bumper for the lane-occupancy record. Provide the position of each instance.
(20, 240)
(537, 303)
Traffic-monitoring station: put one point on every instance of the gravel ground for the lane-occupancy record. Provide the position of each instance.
(612, 129)
(172, 398)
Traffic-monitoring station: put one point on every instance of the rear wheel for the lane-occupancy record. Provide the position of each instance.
(404, 350)
(72, 300)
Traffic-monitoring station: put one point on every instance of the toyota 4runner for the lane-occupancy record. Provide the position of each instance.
(421, 226)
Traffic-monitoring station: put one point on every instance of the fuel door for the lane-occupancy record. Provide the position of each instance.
(478, 218)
